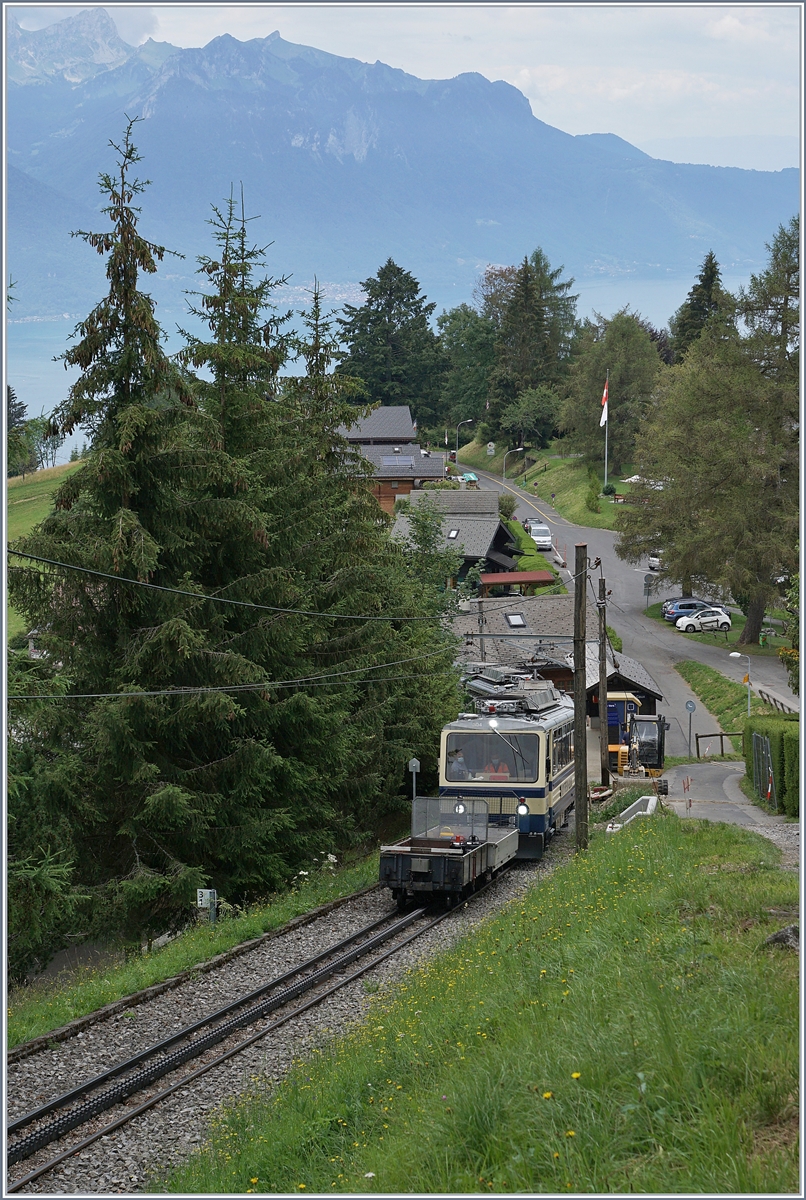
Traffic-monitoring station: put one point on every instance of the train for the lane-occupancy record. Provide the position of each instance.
(506, 784)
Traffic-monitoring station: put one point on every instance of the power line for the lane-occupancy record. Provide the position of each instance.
(265, 686)
(158, 587)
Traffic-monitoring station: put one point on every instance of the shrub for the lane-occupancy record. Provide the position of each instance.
(592, 499)
(609, 489)
(507, 503)
(774, 728)
(792, 769)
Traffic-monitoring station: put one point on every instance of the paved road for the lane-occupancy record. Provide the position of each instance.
(656, 646)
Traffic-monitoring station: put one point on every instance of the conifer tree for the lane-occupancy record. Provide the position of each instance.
(390, 344)
(706, 298)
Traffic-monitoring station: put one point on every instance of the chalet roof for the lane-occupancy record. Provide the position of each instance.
(461, 500)
(628, 669)
(542, 616)
(410, 463)
(390, 423)
(475, 532)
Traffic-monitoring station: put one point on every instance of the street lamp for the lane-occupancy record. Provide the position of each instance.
(736, 654)
(517, 450)
(469, 421)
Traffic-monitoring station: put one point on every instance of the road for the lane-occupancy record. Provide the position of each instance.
(656, 646)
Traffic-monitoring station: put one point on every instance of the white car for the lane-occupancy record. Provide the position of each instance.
(704, 620)
(540, 535)
(655, 561)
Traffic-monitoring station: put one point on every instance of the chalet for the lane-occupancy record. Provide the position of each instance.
(470, 523)
(547, 626)
(387, 439)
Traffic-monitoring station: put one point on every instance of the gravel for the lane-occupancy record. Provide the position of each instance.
(129, 1159)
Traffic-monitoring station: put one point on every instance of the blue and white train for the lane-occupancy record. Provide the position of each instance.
(517, 753)
(506, 784)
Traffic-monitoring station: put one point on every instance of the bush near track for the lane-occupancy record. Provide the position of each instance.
(623, 1028)
(51, 1002)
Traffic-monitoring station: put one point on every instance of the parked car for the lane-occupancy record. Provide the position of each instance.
(655, 560)
(540, 534)
(681, 608)
(667, 604)
(704, 620)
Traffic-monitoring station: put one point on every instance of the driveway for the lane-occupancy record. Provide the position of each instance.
(654, 644)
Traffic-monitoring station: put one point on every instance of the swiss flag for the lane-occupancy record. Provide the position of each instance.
(603, 421)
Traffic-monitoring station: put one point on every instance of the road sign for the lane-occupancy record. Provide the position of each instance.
(205, 897)
(649, 579)
(691, 706)
(491, 449)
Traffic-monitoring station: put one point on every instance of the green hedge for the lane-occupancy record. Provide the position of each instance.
(792, 769)
(783, 732)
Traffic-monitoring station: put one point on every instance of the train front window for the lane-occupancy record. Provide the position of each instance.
(490, 757)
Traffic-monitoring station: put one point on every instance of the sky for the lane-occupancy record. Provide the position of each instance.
(716, 83)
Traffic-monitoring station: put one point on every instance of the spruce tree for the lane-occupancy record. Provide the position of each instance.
(391, 346)
(706, 298)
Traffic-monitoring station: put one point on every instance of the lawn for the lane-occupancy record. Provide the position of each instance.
(620, 1028)
(566, 477)
(28, 502)
(726, 641)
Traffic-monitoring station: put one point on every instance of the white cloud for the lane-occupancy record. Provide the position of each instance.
(631, 69)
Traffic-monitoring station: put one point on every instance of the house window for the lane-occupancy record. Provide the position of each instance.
(515, 620)
(393, 483)
(454, 533)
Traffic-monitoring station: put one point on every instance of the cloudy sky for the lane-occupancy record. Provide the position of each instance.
(712, 83)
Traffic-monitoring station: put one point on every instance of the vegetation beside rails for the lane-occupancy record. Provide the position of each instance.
(49, 1003)
(583, 1040)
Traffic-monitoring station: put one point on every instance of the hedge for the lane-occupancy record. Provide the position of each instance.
(783, 732)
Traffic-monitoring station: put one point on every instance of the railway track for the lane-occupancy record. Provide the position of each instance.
(207, 1043)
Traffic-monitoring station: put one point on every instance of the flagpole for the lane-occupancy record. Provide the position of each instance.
(607, 422)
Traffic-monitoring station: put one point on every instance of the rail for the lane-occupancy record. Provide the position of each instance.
(708, 736)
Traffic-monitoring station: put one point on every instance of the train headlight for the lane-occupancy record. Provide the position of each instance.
(493, 723)
(459, 807)
(523, 809)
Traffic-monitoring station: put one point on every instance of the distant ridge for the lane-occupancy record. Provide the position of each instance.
(348, 163)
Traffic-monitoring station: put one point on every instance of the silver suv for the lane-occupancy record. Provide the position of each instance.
(540, 535)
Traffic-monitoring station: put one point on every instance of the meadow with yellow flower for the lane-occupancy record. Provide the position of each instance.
(623, 1027)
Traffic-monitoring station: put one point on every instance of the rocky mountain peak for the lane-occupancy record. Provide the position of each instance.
(74, 49)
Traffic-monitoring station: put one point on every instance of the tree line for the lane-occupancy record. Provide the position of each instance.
(238, 659)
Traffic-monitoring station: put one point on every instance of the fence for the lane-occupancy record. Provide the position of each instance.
(708, 736)
(763, 774)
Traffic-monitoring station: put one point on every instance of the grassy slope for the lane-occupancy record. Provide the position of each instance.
(566, 477)
(50, 1003)
(584, 1040)
(28, 502)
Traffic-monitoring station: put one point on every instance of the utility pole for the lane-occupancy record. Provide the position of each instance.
(580, 732)
(602, 606)
(481, 630)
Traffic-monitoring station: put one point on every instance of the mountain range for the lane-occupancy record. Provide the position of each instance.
(346, 163)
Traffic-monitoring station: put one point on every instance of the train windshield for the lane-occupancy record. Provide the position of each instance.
(491, 757)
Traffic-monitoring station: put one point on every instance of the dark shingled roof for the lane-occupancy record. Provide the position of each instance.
(391, 423)
(408, 464)
(475, 531)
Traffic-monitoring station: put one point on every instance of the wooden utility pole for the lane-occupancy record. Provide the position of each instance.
(605, 761)
(580, 731)
(481, 630)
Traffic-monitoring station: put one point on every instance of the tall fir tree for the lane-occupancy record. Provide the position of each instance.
(390, 345)
(706, 298)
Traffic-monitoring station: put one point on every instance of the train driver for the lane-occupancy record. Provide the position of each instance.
(457, 768)
(496, 768)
